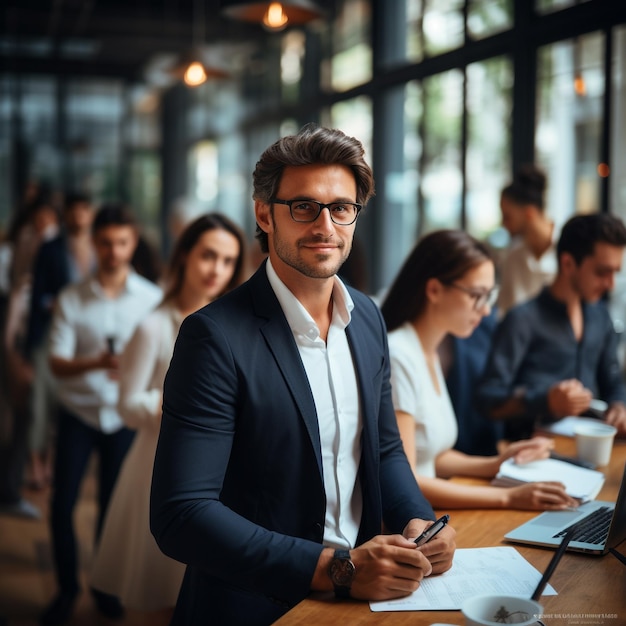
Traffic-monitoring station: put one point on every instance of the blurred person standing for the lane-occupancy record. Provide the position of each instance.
(35, 224)
(530, 263)
(208, 260)
(92, 322)
(67, 258)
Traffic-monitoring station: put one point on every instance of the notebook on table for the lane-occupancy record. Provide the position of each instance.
(600, 526)
(580, 482)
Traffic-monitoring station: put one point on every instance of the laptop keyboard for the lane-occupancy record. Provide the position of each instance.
(592, 529)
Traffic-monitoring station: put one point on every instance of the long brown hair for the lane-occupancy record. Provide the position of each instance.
(188, 239)
(443, 254)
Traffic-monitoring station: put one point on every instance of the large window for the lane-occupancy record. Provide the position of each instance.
(95, 116)
(550, 6)
(351, 61)
(291, 64)
(407, 185)
(354, 117)
(488, 17)
(145, 192)
(35, 130)
(442, 177)
(569, 122)
(617, 162)
(433, 27)
(488, 157)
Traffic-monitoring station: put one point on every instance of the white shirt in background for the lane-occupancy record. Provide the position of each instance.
(83, 321)
(523, 275)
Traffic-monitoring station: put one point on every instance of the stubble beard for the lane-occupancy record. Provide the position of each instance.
(291, 257)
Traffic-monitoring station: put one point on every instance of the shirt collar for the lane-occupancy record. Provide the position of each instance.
(298, 318)
(545, 295)
(130, 286)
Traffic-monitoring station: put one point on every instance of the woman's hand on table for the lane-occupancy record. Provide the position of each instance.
(528, 450)
(539, 496)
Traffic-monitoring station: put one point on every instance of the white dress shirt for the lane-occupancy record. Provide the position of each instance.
(84, 320)
(332, 377)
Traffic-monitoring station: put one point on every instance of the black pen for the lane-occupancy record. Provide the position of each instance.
(553, 563)
(431, 531)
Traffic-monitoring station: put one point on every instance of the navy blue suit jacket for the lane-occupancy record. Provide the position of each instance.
(237, 490)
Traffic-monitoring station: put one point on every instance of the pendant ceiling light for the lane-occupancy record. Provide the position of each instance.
(272, 15)
(191, 68)
(193, 71)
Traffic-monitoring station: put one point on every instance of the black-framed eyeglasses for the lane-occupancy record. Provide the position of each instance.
(481, 298)
(342, 213)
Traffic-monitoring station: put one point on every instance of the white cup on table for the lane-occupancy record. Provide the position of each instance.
(491, 610)
(594, 442)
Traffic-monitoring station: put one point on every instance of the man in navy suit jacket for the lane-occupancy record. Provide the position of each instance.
(279, 461)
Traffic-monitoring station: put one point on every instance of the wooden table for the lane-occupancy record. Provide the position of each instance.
(591, 589)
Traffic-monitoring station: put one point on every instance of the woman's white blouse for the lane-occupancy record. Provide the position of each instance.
(413, 392)
(145, 362)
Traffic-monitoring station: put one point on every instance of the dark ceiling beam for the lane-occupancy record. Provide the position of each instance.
(70, 68)
(107, 22)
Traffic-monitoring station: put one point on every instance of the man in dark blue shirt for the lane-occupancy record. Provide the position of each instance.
(553, 354)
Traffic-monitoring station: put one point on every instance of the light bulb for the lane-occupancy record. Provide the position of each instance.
(195, 74)
(275, 17)
(580, 87)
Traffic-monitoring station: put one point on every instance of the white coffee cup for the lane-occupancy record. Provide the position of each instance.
(491, 610)
(594, 442)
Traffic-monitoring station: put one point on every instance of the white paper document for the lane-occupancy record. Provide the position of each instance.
(475, 571)
(579, 482)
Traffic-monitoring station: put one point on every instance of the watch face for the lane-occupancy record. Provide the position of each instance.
(342, 572)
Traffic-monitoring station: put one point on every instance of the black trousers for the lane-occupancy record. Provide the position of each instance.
(75, 443)
(15, 423)
(13, 452)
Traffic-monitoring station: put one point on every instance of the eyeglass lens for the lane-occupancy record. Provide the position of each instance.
(309, 210)
(487, 298)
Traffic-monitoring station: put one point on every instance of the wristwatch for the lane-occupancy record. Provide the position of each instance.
(341, 571)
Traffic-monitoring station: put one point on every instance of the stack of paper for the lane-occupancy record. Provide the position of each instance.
(475, 571)
(580, 482)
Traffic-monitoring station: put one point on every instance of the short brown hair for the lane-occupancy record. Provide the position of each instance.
(113, 214)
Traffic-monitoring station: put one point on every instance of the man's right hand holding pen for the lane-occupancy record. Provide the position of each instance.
(393, 566)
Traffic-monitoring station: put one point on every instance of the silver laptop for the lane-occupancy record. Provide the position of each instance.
(600, 526)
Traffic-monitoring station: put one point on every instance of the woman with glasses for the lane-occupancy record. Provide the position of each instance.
(446, 286)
